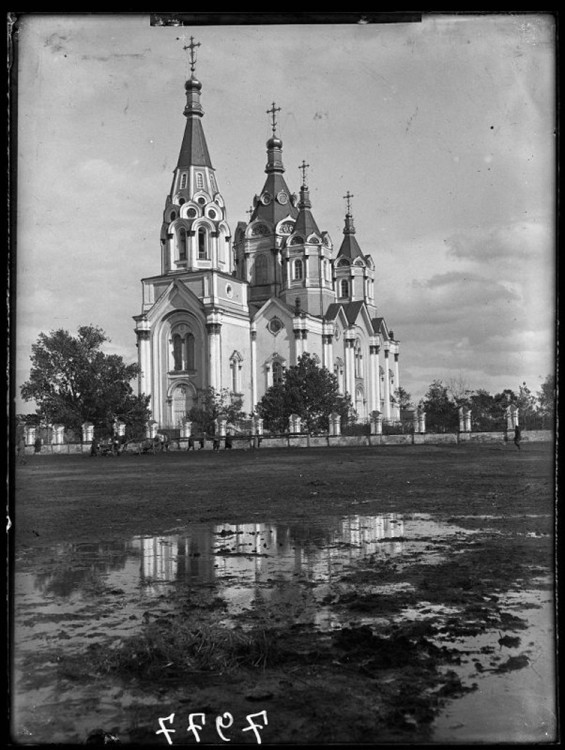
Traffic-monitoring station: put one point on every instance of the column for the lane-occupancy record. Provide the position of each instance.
(297, 330)
(192, 249)
(253, 366)
(213, 327)
(387, 384)
(214, 249)
(186, 428)
(350, 368)
(171, 250)
(327, 347)
(374, 389)
(144, 357)
(396, 382)
(30, 435)
(461, 419)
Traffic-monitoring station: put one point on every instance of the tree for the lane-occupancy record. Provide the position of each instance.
(546, 397)
(214, 404)
(72, 381)
(308, 390)
(402, 398)
(440, 408)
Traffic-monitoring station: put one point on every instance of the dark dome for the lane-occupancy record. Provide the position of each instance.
(193, 83)
(274, 143)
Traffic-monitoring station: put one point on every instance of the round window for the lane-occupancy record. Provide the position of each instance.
(275, 325)
(212, 213)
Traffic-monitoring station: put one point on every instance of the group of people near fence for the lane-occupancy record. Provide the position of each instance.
(115, 446)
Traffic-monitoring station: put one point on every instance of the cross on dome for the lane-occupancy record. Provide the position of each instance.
(273, 112)
(348, 196)
(192, 47)
(303, 167)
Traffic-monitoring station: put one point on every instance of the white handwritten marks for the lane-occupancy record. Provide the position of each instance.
(197, 722)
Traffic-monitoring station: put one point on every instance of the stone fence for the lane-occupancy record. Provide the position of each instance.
(303, 440)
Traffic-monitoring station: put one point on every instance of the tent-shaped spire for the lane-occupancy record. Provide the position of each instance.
(305, 223)
(275, 202)
(349, 247)
(194, 150)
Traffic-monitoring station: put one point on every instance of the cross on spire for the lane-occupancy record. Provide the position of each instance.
(192, 47)
(303, 167)
(348, 196)
(273, 112)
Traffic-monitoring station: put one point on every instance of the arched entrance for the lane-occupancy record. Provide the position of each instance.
(182, 400)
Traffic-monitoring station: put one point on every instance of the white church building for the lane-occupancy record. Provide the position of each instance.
(233, 311)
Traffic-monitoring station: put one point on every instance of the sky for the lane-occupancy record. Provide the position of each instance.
(443, 130)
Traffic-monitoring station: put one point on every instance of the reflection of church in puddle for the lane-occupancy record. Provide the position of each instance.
(242, 559)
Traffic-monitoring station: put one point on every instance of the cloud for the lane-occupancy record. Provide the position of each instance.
(518, 241)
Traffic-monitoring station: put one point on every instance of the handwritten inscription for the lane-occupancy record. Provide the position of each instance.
(197, 722)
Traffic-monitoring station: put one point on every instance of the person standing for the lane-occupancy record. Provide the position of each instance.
(517, 436)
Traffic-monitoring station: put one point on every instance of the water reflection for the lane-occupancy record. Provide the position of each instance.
(260, 552)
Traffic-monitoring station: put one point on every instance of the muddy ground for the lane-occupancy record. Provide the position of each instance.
(395, 653)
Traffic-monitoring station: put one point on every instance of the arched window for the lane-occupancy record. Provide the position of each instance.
(261, 269)
(183, 181)
(189, 346)
(182, 350)
(182, 243)
(358, 360)
(277, 372)
(344, 288)
(199, 180)
(202, 250)
(298, 269)
(236, 365)
(177, 352)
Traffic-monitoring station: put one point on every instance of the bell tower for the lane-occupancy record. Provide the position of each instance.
(194, 233)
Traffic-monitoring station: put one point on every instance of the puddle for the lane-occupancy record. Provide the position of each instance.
(70, 596)
(514, 700)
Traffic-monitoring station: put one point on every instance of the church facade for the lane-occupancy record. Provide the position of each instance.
(233, 311)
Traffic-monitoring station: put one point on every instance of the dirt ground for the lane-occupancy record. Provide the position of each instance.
(353, 684)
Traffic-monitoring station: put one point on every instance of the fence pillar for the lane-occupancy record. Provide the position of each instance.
(221, 425)
(467, 420)
(335, 424)
(151, 429)
(257, 426)
(57, 437)
(421, 421)
(30, 433)
(511, 417)
(376, 423)
(119, 428)
(295, 423)
(185, 428)
(87, 432)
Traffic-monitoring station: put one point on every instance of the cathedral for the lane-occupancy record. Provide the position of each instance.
(234, 311)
